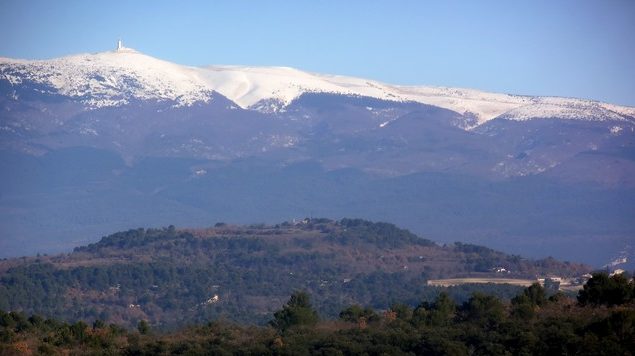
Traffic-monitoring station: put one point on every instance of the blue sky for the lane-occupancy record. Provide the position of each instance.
(566, 48)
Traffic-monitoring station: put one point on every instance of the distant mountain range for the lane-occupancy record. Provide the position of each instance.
(113, 140)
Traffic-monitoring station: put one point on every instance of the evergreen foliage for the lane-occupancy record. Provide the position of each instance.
(603, 289)
(483, 325)
(297, 312)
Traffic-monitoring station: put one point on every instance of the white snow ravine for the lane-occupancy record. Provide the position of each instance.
(112, 78)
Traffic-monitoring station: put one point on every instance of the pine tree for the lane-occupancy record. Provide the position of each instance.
(297, 311)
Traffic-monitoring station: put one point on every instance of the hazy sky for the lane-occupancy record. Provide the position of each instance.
(566, 48)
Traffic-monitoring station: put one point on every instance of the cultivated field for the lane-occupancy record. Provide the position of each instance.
(458, 281)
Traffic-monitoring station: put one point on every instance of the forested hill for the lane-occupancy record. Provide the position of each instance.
(175, 276)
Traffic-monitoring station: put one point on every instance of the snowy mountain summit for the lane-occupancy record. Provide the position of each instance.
(117, 77)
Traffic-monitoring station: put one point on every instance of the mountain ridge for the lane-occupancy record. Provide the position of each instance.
(104, 76)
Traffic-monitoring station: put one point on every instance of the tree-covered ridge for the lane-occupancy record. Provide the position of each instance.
(531, 324)
(173, 277)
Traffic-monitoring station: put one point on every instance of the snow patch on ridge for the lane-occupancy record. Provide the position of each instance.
(113, 78)
(563, 109)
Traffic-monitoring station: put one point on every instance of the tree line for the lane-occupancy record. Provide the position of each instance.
(600, 321)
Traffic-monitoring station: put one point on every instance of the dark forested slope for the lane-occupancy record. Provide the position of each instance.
(244, 273)
(601, 322)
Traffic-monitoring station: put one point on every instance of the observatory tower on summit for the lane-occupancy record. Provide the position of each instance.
(121, 49)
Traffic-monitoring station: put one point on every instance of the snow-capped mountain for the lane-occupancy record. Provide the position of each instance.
(93, 143)
(114, 78)
(138, 105)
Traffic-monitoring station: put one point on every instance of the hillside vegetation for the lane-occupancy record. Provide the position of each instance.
(600, 322)
(172, 277)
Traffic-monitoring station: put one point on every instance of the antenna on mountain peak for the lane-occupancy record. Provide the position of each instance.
(119, 45)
